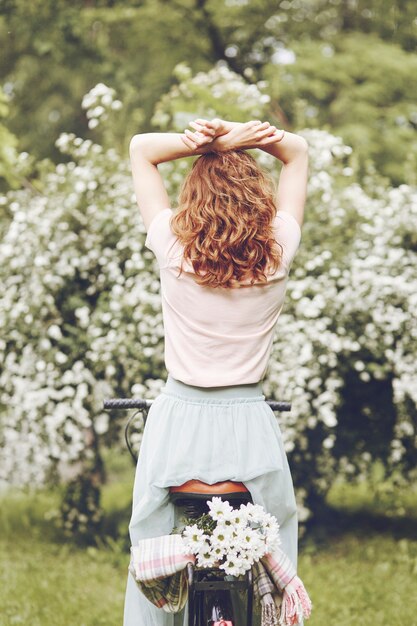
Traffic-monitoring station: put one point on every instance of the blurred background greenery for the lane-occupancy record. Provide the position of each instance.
(80, 309)
(340, 65)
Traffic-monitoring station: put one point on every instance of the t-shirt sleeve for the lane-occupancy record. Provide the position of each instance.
(288, 234)
(160, 238)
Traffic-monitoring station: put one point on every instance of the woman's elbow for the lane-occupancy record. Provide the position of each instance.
(137, 143)
(303, 144)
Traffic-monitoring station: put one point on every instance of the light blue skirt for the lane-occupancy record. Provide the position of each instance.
(209, 434)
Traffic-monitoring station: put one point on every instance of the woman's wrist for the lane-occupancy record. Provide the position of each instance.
(246, 136)
(227, 126)
(289, 148)
(219, 135)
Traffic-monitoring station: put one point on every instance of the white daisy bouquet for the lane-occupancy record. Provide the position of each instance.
(231, 539)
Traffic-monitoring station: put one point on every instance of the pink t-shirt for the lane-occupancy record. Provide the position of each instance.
(216, 336)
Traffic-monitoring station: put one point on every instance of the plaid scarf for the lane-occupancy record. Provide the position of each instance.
(158, 566)
(279, 589)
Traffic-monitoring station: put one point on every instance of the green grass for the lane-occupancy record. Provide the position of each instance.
(47, 584)
(359, 565)
(364, 580)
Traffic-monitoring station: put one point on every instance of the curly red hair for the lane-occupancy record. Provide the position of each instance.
(225, 220)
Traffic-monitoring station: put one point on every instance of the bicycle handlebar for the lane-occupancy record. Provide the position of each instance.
(127, 403)
(141, 403)
(279, 406)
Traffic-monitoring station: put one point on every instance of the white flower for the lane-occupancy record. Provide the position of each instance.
(258, 551)
(194, 537)
(205, 557)
(269, 522)
(270, 528)
(228, 518)
(240, 517)
(54, 331)
(254, 512)
(234, 564)
(60, 357)
(219, 509)
(221, 535)
(218, 551)
(249, 539)
(272, 540)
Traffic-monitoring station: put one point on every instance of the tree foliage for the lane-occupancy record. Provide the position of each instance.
(8, 149)
(359, 88)
(351, 75)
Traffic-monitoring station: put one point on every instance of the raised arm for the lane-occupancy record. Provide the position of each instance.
(292, 184)
(146, 151)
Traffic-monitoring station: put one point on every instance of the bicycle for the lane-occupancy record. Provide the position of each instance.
(210, 591)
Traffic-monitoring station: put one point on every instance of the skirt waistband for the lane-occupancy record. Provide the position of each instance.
(245, 393)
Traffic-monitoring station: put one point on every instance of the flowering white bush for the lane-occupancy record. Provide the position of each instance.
(73, 269)
(98, 102)
(231, 539)
(81, 316)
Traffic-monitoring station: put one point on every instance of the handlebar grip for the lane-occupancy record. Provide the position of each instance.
(279, 406)
(127, 403)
